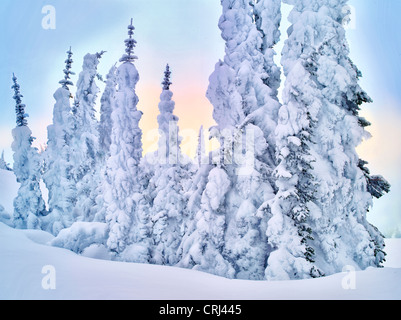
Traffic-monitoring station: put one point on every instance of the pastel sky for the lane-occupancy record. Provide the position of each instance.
(184, 33)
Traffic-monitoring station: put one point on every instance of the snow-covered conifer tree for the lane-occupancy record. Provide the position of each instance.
(85, 139)
(267, 15)
(319, 130)
(169, 201)
(29, 206)
(202, 247)
(245, 109)
(288, 231)
(57, 174)
(201, 148)
(198, 181)
(105, 125)
(246, 55)
(169, 141)
(129, 224)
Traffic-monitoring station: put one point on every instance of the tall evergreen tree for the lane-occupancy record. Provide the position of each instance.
(169, 141)
(129, 224)
(58, 170)
(267, 16)
(198, 181)
(169, 203)
(288, 230)
(107, 100)
(245, 55)
(85, 139)
(202, 247)
(29, 206)
(320, 115)
(201, 148)
(105, 127)
(245, 109)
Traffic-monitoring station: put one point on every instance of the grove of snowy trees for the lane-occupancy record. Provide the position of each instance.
(285, 196)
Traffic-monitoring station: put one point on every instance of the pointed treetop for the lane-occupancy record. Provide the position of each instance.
(17, 96)
(67, 71)
(166, 83)
(200, 152)
(100, 54)
(3, 164)
(19, 106)
(130, 44)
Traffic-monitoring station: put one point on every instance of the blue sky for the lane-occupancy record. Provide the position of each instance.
(184, 33)
(375, 44)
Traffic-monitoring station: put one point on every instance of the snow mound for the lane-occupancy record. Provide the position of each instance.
(8, 190)
(81, 235)
(25, 261)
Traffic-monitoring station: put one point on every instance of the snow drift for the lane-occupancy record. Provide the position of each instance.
(25, 255)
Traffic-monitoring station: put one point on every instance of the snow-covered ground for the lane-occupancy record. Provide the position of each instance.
(28, 266)
(25, 257)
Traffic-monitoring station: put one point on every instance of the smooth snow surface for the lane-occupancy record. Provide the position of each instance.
(23, 254)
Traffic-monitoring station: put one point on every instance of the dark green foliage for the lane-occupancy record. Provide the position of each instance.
(19, 106)
(377, 186)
